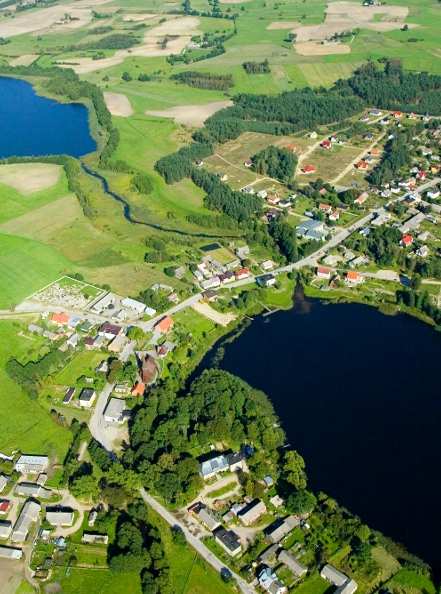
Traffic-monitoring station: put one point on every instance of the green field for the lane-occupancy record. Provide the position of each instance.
(24, 424)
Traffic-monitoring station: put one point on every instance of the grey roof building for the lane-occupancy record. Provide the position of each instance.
(252, 512)
(348, 588)
(60, 516)
(333, 575)
(29, 514)
(291, 562)
(114, 411)
(10, 553)
(32, 464)
(213, 466)
(94, 538)
(208, 518)
(312, 229)
(3, 482)
(228, 540)
(32, 490)
(5, 528)
(277, 531)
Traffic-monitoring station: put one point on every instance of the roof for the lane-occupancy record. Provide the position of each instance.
(291, 562)
(10, 553)
(87, 394)
(309, 168)
(5, 504)
(33, 461)
(28, 515)
(93, 537)
(60, 517)
(333, 575)
(276, 531)
(348, 588)
(208, 517)
(228, 538)
(252, 511)
(323, 270)
(149, 370)
(407, 239)
(60, 318)
(108, 328)
(115, 409)
(138, 389)
(215, 464)
(3, 481)
(353, 275)
(164, 325)
(32, 490)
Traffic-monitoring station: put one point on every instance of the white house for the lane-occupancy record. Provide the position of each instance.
(32, 464)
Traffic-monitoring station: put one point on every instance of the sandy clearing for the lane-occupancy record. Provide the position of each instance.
(316, 48)
(135, 18)
(118, 104)
(223, 319)
(24, 60)
(28, 178)
(48, 18)
(191, 115)
(281, 25)
(179, 30)
(344, 16)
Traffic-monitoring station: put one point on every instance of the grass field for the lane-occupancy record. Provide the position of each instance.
(32, 430)
(98, 581)
(84, 363)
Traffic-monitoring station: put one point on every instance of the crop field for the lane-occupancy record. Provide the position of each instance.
(32, 431)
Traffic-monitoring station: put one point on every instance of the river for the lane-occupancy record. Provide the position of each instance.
(359, 396)
(32, 125)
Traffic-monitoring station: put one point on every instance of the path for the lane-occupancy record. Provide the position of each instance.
(351, 165)
(199, 546)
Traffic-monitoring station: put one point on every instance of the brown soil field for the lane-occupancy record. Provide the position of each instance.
(191, 115)
(118, 104)
(179, 30)
(136, 18)
(316, 48)
(344, 16)
(281, 25)
(28, 178)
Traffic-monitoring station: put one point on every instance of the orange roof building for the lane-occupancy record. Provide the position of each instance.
(60, 318)
(362, 164)
(138, 389)
(309, 169)
(353, 277)
(164, 325)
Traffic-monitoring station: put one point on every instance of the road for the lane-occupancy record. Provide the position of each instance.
(199, 546)
(351, 165)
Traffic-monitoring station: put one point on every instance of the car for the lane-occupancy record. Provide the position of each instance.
(226, 574)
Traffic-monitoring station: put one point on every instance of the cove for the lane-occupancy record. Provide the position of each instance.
(31, 125)
(359, 396)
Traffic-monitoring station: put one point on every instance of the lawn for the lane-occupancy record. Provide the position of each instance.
(32, 429)
(98, 581)
(84, 363)
(410, 581)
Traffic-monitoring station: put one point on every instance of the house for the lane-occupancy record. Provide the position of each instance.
(73, 340)
(353, 278)
(292, 564)
(270, 583)
(252, 512)
(149, 370)
(311, 229)
(412, 223)
(285, 203)
(333, 575)
(10, 553)
(267, 265)
(433, 194)
(269, 555)
(348, 588)
(32, 464)
(262, 194)
(242, 273)
(207, 517)
(406, 240)
(57, 516)
(133, 305)
(236, 461)
(32, 490)
(279, 529)
(423, 251)
(334, 216)
(421, 175)
(106, 302)
(60, 319)
(359, 261)
(87, 397)
(248, 163)
(34, 329)
(68, 395)
(5, 506)
(243, 252)
(29, 514)
(361, 199)
(227, 277)
(307, 169)
(211, 283)
(138, 389)
(5, 528)
(228, 540)
(209, 295)
(273, 199)
(212, 466)
(375, 112)
(266, 280)
(325, 208)
(109, 331)
(362, 165)
(323, 272)
(94, 538)
(326, 144)
(397, 114)
(375, 152)
(3, 482)
(164, 325)
(115, 411)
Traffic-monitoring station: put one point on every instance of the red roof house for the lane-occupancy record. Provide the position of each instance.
(326, 208)
(324, 272)
(326, 144)
(60, 319)
(406, 240)
(353, 277)
(362, 164)
(164, 325)
(5, 504)
(138, 389)
(309, 169)
(242, 273)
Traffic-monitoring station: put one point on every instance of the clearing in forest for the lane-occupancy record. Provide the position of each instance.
(28, 178)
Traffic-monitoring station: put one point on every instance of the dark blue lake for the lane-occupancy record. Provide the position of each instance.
(359, 396)
(31, 125)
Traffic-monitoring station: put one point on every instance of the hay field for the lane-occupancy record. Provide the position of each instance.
(28, 178)
(191, 115)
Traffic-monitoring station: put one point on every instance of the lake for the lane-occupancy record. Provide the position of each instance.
(359, 396)
(31, 125)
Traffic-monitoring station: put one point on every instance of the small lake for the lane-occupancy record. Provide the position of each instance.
(359, 396)
(31, 125)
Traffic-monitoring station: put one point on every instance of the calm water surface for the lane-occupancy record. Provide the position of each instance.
(359, 395)
(31, 125)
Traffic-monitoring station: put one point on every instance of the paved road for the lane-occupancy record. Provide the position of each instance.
(102, 431)
(148, 326)
(199, 546)
(351, 165)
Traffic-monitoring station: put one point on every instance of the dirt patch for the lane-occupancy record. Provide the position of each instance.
(28, 178)
(317, 48)
(167, 38)
(282, 25)
(51, 18)
(191, 115)
(136, 18)
(118, 104)
(223, 319)
(24, 60)
(11, 574)
(345, 16)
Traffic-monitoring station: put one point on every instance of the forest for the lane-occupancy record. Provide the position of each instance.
(204, 80)
(275, 162)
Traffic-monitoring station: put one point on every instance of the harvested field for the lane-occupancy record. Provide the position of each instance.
(345, 16)
(317, 48)
(49, 18)
(191, 115)
(118, 104)
(24, 60)
(170, 37)
(282, 25)
(223, 319)
(28, 178)
(136, 18)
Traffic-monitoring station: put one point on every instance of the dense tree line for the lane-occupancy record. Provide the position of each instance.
(110, 42)
(420, 300)
(256, 67)
(278, 163)
(397, 154)
(30, 375)
(141, 183)
(285, 236)
(205, 80)
(178, 165)
(382, 245)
